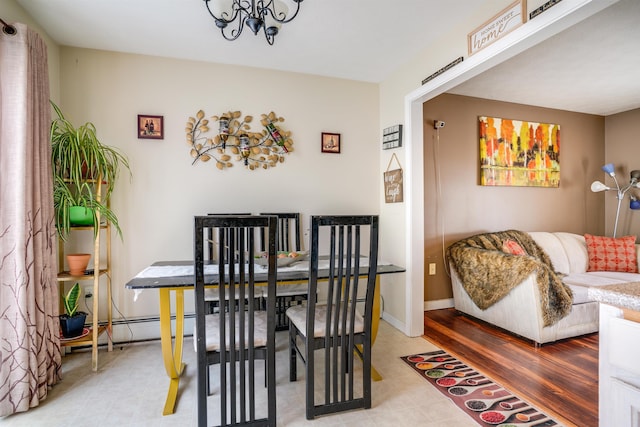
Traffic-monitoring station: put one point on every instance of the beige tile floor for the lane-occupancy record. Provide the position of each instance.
(130, 387)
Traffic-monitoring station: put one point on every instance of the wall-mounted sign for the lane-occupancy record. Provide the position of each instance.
(498, 26)
(543, 8)
(393, 190)
(443, 69)
(392, 137)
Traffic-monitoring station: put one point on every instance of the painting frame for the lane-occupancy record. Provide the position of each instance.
(330, 142)
(150, 127)
(518, 153)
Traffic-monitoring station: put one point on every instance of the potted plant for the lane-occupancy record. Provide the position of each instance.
(72, 322)
(81, 164)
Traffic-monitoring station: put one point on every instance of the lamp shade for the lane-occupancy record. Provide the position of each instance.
(609, 168)
(597, 186)
(280, 9)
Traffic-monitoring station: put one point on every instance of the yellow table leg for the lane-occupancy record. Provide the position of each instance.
(172, 355)
(375, 322)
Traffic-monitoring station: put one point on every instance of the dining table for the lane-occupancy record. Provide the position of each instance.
(173, 278)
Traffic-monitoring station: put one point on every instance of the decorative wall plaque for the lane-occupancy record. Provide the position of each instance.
(235, 141)
(392, 137)
(497, 27)
(393, 189)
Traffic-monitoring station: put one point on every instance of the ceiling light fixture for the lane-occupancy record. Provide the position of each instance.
(265, 15)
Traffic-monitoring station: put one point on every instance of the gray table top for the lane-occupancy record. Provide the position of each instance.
(178, 278)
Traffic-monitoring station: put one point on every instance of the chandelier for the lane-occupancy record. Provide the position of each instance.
(267, 15)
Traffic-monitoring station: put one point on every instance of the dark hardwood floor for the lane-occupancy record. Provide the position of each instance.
(560, 378)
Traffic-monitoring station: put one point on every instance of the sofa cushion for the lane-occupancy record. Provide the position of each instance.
(576, 250)
(553, 247)
(611, 254)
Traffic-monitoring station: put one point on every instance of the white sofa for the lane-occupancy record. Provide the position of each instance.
(520, 312)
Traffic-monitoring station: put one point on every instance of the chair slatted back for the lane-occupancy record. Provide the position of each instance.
(211, 240)
(349, 276)
(239, 325)
(288, 237)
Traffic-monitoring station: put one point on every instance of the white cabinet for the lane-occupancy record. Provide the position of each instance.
(619, 371)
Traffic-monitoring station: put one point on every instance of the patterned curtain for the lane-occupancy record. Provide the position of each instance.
(30, 359)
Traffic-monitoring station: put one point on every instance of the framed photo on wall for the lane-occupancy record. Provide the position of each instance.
(330, 142)
(150, 127)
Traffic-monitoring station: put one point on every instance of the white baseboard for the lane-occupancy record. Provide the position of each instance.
(438, 304)
(393, 321)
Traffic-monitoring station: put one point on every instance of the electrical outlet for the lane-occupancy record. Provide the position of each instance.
(88, 291)
(432, 269)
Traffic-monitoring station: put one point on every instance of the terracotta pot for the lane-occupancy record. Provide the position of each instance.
(78, 263)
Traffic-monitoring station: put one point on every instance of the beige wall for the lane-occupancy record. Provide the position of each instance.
(156, 207)
(465, 208)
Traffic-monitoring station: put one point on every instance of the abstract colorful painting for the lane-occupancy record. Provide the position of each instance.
(519, 153)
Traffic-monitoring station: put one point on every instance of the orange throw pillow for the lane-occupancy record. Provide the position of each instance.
(512, 247)
(611, 254)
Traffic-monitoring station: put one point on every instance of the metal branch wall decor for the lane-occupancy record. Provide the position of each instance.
(236, 142)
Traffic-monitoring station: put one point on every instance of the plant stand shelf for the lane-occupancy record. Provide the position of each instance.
(101, 282)
(86, 340)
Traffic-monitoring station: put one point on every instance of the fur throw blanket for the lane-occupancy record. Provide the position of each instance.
(488, 273)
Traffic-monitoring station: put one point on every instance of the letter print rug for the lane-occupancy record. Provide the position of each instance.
(483, 400)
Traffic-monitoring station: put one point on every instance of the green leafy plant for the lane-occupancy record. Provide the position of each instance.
(71, 300)
(81, 164)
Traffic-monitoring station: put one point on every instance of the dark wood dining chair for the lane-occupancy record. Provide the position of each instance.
(211, 294)
(239, 335)
(335, 326)
(288, 240)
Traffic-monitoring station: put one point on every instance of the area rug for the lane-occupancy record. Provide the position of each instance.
(485, 401)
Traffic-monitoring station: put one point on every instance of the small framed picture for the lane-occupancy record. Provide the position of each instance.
(330, 142)
(150, 127)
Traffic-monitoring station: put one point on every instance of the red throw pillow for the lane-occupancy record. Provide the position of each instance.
(512, 247)
(611, 254)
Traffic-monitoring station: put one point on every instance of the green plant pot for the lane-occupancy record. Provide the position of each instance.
(79, 215)
(72, 326)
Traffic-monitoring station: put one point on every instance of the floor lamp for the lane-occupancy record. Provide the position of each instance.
(598, 186)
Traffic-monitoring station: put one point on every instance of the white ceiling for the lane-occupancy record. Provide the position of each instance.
(590, 68)
(362, 40)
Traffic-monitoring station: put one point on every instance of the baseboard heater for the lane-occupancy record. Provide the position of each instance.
(141, 329)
